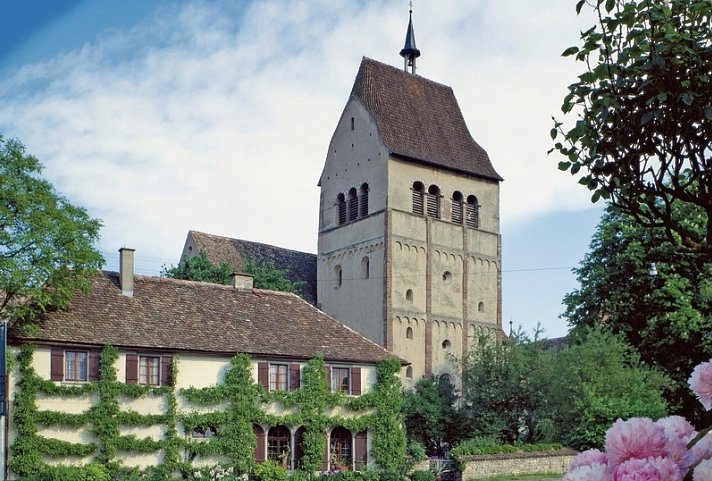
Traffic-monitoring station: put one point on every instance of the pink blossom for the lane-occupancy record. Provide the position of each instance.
(649, 469)
(678, 426)
(703, 448)
(589, 472)
(668, 469)
(587, 458)
(634, 438)
(701, 383)
(636, 470)
(703, 471)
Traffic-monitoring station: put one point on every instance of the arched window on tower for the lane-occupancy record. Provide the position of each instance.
(418, 194)
(365, 268)
(341, 205)
(434, 202)
(457, 202)
(353, 204)
(473, 212)
(339, 277)
(363, 200)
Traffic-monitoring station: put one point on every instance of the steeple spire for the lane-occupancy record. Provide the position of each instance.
(410, 52)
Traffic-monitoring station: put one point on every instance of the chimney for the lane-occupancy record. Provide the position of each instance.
(126, 271)
(241, 280)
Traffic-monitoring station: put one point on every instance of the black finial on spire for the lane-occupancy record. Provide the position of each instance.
(410, 52)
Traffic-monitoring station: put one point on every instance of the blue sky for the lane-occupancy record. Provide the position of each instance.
(215, 115)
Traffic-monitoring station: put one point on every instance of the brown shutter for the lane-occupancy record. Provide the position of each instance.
(57, 366)
(260, 445)
(361, 451)
(328, 377)
(94, 357)
(166, 370)
(294, 377)
(263, 374)
(356, 381)
(298, 447)
(131, 369)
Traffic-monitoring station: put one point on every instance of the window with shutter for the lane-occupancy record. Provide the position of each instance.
(353, 205)
(278, 380)
(341, 206)
(57, 364)
(473, 213)
(340, 449)
(76, 366)
(260, 454)
(263, 374)
(294, 377)
(340, 381)
(457, 207)
(356, 381)
(131, 369)
(433, 201)
(418, 193)
(363, 208)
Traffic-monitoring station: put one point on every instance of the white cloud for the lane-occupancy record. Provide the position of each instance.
(198, 118)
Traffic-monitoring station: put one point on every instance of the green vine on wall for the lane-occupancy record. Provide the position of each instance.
(239, 404)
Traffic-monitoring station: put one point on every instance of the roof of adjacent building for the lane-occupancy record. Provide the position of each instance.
(420, 119)
(300, 266)
(176, 315)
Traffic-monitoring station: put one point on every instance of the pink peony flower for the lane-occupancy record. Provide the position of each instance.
(636, 470)
(587, 458)
(649, 469)
(703, 471)
(668, 469)
(635, 438)
(679, 426)
(703, 448)
(701, 383)
(589, 472)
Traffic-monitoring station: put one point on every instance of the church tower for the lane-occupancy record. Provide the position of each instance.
(409, 250)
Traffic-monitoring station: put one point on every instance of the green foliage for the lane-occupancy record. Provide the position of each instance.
(239, 402)
(643, 113)
(268, 276)
(199, 268)
(269, 471)
(661, 316)
(422, 475)
(46, 243)
(593, 382)
(519, 392)
(430, 413)
(264, 272)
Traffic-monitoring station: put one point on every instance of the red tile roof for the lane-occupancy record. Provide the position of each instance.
(420, 119)
(175, 315)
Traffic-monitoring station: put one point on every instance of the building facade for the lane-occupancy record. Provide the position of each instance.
(155, 372)
(409, 249)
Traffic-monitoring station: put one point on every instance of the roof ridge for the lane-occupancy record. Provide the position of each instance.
(248, 241)
(409, 75)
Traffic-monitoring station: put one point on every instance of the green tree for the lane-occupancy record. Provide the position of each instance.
(430, 415)
(666, 317)
(590, 383)
(46, 244)
(500, 395)
(643, 110)
(199, 268)
(268, 276)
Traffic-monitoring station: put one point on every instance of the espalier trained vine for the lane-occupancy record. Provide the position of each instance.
(237, 403)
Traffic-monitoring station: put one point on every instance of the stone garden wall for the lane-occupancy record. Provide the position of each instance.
(484, 466)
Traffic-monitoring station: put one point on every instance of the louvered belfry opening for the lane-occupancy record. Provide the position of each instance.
(473, 212)
(434, 202)
(363, 200)
(418, 193)
(353, 204)
(457, 207)
(341, 203)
